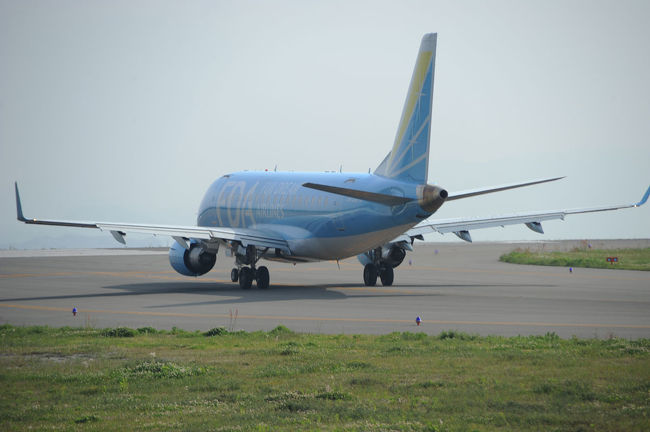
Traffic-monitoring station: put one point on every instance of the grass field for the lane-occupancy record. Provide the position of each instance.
(123, 379)
(628, 259)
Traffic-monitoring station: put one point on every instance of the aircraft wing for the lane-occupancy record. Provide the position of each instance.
(533, 220)
(180, 233)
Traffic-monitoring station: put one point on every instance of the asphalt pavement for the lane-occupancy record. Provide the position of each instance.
(451, 286)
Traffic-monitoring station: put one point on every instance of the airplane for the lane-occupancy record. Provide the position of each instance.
(299, 217)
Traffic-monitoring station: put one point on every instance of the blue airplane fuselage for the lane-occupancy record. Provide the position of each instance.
(316, 224)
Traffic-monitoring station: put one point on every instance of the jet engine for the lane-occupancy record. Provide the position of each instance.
(194, 261)
(392, 254)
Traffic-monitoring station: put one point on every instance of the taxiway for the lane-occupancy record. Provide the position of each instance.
(452, 286)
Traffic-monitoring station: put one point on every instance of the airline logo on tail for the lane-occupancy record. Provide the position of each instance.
(409, 158)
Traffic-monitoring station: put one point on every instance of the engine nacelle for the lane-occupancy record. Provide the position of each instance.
(393, 256)
(193, 262)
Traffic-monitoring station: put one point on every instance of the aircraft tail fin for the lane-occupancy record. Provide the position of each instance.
(409, 158)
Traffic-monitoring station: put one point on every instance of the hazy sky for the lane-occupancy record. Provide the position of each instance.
(128, 110)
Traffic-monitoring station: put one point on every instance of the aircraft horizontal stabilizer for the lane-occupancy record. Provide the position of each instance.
(473, 192)
(389, 200)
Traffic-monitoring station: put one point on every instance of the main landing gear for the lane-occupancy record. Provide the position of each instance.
(384, 272)
(380, 262)
(246, 275)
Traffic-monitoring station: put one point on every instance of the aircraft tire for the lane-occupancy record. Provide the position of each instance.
(387, 276)
(370, 275)
(245, 278)
(234, 275)
(262, 277)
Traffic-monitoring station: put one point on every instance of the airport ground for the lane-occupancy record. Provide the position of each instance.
(451, 286)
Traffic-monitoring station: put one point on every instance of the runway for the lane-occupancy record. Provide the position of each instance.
(451, 286)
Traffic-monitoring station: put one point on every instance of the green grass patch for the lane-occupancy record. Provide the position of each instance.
(73, 378)
(120, 332)
(628, 259)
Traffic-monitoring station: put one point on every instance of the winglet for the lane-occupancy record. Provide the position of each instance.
(19, 207)
(644, 199)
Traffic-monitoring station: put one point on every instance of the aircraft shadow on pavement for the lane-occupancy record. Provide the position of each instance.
(230, 293)
(320, 291)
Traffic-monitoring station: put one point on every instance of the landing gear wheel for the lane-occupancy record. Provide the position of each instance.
(370, 275)
(234, 275)
(245, 278)
(387, 275)
(262, 277)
